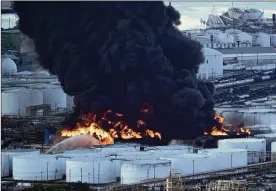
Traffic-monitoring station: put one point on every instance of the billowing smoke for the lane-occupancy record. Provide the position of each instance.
(121, 55)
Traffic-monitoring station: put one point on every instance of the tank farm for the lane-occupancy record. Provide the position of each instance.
(130, 113)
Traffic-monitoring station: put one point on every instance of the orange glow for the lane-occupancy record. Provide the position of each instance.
(117, 128)
(224, 131)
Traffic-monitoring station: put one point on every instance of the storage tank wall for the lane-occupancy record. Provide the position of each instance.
(251, 145)
(20, 152)
(93, 172)
(54, 96)
(263, 40)
(36, 168)
(229, 158)
(273, 151)
(191, 165)
(137, 171)
(5, 171)
(273, 40)
(10, 103)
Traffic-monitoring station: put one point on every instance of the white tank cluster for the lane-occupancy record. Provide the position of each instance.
(258, 146)
(93, 171)
(105, 164)
(226, 158)
(36, 168)
(10, 154)
(136, 171)
(15, 101)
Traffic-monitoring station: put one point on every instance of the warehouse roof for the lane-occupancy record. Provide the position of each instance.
(247, 50)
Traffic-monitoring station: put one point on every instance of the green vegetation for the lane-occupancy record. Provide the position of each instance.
(10, 39)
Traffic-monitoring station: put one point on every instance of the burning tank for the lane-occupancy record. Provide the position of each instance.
(222, 131)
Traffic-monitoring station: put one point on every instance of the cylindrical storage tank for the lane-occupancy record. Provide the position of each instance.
(69, 102)
(225, 38)
(273, 151)
(126, 156)
(258, 146)
(273, 40)
(55, 97)
(18, 152)
(171, 147)
(114, 149)
(191, 163)
(10, 103)
(64, 157)
(36, 168)
(230, 158)
(81, 151)
(8, 66)
(260, 116)
(243, 37)
(5, 170)
(270, 137)
(167, 153)
(92, 171)
(15, 102)
(262, 40)
(36, 97)
(139, 170)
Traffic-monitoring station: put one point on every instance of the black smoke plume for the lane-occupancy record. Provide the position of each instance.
(121, 55)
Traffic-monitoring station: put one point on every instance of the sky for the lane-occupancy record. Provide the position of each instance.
(192, 12)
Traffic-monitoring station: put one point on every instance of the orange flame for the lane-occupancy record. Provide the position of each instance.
(224, 131)
(119, 129)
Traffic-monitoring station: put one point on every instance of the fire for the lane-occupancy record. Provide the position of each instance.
(117, 128)
(224, 131)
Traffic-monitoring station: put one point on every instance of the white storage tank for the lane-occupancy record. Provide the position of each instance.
(273, 40)
(8, 66)
(172, 147)
(230, 158)
(81, 151)
(36, 167)
(260, 116)
(213, 64)
(15, 102)
(64, 157)
(250, 144)
(69, 102)
(243, 37)
(261, 39)
(5, 170)
(18, 152)
(117, 148)
(10, 103)
(191, 163)
(54, 96)
(93, 171)
(273, 151)
(225, 38)
(36, 97)
(139, 170)
(167, 153)
(126, 156)
(269, 137)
